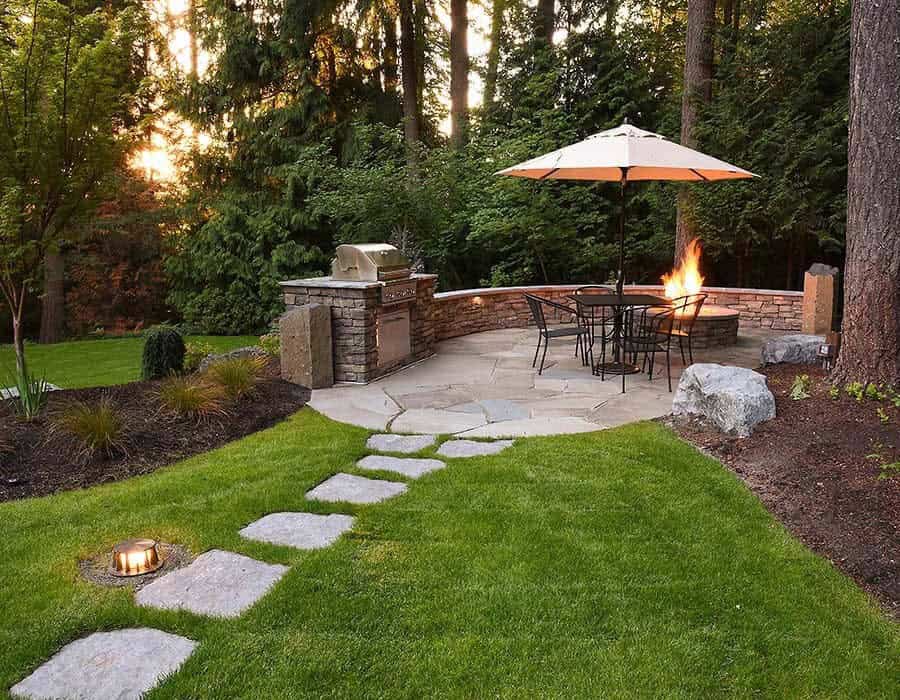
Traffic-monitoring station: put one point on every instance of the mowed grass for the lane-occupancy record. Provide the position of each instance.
(85, 363)
(619, 564)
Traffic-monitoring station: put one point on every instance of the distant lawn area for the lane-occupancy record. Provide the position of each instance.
(86, 363)
(617, 564)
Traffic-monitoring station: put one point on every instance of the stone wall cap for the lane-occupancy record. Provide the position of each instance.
(329, 283)
(487, 291)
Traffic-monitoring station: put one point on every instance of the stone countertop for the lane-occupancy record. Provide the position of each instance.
(329, 283)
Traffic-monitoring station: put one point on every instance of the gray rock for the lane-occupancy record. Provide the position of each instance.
(355, 489)
(120, 665)
(405, 444)
(249, 351)
(792, 349)
(821, 269)
(306, 354)
(413, 468)
(733, 399)
(299, 530)
(472, 448)
(13, 392)
(217, 583)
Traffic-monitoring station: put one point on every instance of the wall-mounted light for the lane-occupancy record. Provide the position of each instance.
(135, 557)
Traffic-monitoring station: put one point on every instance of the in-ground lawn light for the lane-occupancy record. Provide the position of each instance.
(135, 557)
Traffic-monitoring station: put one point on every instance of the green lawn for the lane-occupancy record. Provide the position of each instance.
(84, 363)
(618, 564)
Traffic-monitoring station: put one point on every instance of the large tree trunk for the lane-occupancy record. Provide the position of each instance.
(546, 21)
(389, 55)
(53, 301)
(698, 69)
(459, 72)
(409, 77)
(493, 57)
(870, 347)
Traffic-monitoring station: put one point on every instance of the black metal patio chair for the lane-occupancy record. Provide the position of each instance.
(545, 333)
(654, 336)
(593, 316)
(687, 309)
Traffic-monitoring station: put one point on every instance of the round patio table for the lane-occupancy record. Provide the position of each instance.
(623, 306)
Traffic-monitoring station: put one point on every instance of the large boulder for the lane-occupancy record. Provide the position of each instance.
(733, 399)
(797, 349)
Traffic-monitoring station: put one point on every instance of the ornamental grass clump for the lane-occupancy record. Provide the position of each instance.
(191, 397)
(238, 376)
(97, 427)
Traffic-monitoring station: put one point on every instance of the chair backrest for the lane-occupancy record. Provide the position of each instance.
(595, 289)
(687, 308)
(537, 311)
(659, 320)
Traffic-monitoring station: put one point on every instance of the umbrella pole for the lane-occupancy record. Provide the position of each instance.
(620, 280)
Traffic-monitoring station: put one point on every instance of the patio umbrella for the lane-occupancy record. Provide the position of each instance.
(626, 154)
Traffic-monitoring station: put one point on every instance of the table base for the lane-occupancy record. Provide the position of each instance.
(616, 368)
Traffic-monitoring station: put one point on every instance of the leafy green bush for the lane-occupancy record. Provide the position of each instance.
(855, 390)
(800, 387)
(163, 352)
(834, 392)
(237, 377)
(191, 397)
(97, 427)
(195, 352)
(271, 344)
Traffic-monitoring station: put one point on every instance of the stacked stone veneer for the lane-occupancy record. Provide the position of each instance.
(354, 322)
(475, 310)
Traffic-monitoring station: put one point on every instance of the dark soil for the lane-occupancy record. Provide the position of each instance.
(822, 466)
(36, 459)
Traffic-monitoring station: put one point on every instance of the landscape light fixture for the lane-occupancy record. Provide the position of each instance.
(135, 557)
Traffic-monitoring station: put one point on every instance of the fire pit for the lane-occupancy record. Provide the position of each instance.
(715, 325)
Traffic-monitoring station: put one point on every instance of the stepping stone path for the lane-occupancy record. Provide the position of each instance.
(299, 530)
(413, 468)
(355, 489)
(124, 665)
(406, 444)
(217, 583)
(472, 448)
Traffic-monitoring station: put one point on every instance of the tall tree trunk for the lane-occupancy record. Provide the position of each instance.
(546, 21)
(410, 77)
(192, 32)
(698, 64)
(389, 55)
(53, 301)
(420, 19)
(459, 72)
(493, 57)
(870, 347)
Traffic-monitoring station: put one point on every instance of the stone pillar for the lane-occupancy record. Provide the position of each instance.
(306, 356)
(818, 299)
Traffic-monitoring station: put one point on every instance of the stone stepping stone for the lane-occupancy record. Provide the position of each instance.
(120, 665)
(355, 489)
(299, 530)
(413, 468)
(406, 444)
(472, 448)
(217, 583)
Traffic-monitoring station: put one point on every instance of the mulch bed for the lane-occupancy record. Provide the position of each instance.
(818, 468)
(36, 460)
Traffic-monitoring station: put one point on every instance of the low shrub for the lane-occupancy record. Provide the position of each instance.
(800, 387)
(195, 352)
(163, 353)
(238, 376)
(97, 427)
(271, 344)
(191, 397)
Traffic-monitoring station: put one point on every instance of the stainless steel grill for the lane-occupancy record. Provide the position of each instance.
(369, 262)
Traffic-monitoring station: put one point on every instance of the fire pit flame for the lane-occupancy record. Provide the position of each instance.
(686, 278)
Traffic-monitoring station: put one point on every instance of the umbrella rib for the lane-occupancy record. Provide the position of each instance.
(700, 175)
(548, 174)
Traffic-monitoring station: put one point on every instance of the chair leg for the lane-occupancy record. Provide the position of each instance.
(690, 350)
(544, 356)
(669, 370)
(537, 349)
(652, 356)
(681, 347)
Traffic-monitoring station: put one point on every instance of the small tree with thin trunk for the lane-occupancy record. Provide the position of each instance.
(68, 90)
(870, 347)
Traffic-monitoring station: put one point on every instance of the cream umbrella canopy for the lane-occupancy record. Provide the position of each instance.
(626, 154)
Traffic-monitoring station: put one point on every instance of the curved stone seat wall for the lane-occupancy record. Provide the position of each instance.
(474, 310)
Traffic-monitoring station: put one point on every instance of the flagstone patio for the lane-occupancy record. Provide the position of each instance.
(483, 385)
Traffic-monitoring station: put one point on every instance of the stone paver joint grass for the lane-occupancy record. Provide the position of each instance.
(299, 530)
(120, 665)
(217, 583)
